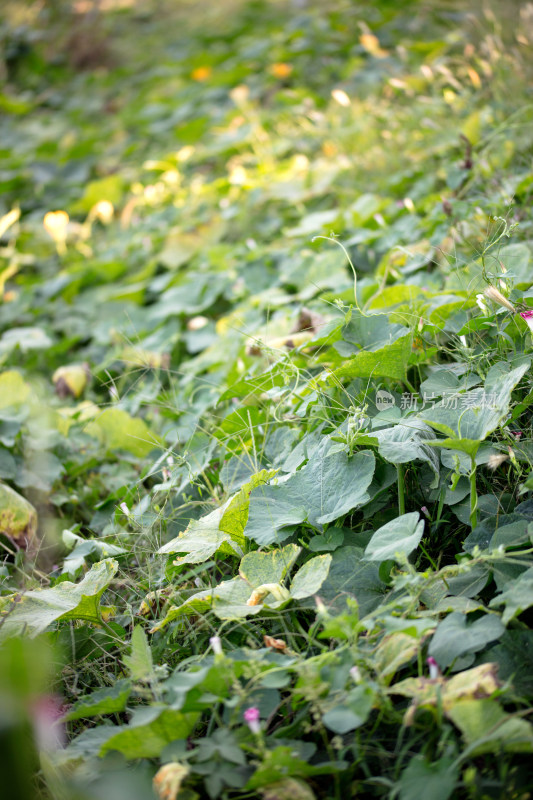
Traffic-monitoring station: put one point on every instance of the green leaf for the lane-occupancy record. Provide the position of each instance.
(372, 332)
(455, 637)
(400, 536)
(407, 441)
(517, 598)
(139, 663)
(235, 516)
(111, 700)
(516, 258)
(26, 339)
(34, 611)
(273, 508)
(351, 577)
(468, 446)
(310, 577)
(151, 729)
(390, 361)
(117, 430)
(329, 540)
(258, 568)
(351, 714)
(228, 600)
(423, 778)
(514, 656)
(202, 539)
(326, 488)
(342, 719)
(221, 529)
(281, 762)
(110, 188)
(476, 413)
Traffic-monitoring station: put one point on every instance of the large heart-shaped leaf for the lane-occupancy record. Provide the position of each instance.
(32, 612)
(326, 488)
(400, 536)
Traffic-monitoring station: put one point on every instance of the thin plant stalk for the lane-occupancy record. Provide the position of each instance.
(401, 489)
(473, 496)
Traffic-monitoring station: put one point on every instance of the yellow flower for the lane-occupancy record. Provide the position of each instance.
(103, 211)
(55, 224)
(201, 73)
(280, 69)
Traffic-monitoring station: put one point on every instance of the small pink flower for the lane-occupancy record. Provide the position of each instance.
(251, 717)
(434, 669)
(425, 511)
(527, 316)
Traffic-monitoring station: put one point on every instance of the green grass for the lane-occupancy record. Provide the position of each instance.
(252, 387)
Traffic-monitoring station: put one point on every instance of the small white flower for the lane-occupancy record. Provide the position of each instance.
(124, 508)
(216, 645)
(480, 300)
(340, 97)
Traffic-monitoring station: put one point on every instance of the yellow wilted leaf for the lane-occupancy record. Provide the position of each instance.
(168, 779)
(287, 789)
(13, 389)
(471, 128)
(149, 359)
(18, 518)
(117, 430)
(371, 44)
(467, 685)
(8, 220)
(290, 341)
(474, 77)
(279, 592)
(70, 380)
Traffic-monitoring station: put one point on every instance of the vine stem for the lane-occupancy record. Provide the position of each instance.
(473, 496)
(401, 489)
